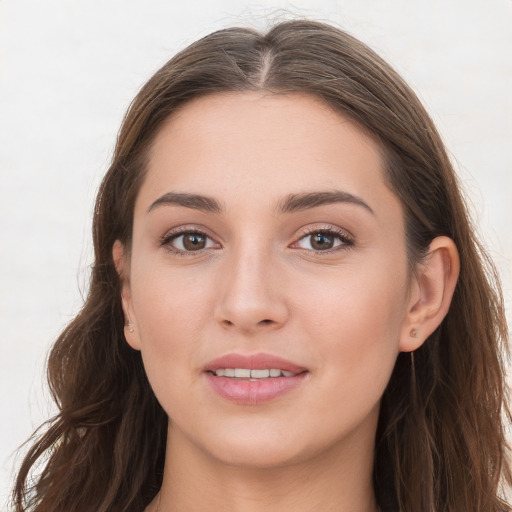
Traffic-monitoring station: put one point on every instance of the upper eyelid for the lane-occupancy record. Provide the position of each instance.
(328, 228)
(180, 230)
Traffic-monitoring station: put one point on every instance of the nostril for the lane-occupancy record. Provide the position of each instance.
(244, 324)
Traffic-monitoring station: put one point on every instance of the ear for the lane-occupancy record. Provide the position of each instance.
(432, 290)
(122, 264)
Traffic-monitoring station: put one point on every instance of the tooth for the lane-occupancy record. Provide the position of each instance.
(259, 374)
(247, 373)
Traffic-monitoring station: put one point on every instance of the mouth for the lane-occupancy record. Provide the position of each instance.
(252, 374)
(253, 379)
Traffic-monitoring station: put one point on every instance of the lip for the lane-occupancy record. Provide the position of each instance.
(260, 361)
(253, 392)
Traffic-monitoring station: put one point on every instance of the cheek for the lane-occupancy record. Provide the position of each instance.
(169, 309)
(356, 326)
(166, 301)
(361, 303)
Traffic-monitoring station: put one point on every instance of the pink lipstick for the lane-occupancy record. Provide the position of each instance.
(253, 379)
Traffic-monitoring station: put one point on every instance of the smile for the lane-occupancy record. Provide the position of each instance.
(246, 373)
(253, 379)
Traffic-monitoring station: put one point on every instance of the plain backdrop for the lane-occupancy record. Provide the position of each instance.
(68, 70)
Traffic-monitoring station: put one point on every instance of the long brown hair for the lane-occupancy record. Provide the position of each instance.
(440, 443)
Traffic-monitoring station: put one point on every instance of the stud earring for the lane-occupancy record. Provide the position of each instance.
(130, 327)
(413, 333)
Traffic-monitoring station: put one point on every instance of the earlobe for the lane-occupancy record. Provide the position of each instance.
(432, 292)
(122, 267)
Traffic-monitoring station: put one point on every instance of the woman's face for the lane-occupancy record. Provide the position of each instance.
(266, 239)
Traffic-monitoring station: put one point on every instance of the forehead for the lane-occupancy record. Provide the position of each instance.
(239, 144)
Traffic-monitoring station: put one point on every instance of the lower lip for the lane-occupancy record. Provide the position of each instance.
(253, 392)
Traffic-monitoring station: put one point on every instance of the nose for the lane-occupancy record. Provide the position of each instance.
(251, 297)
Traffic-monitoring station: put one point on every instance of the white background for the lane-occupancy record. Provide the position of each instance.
(70, 68)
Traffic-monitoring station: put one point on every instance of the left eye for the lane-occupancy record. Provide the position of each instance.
(322, 241)
(190, 241)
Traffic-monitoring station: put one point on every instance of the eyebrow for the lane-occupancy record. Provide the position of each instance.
(291, 203)
(195, 201)
(304, 201)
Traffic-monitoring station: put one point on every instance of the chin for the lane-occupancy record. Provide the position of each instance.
(258, 456)
(260, 450)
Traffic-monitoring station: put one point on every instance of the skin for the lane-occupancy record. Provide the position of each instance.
(259, 285)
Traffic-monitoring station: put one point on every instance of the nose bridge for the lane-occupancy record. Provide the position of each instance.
(250, 296)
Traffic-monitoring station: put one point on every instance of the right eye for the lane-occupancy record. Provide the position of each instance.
(188, 241)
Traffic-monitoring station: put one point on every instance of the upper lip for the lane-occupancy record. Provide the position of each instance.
(260, 361)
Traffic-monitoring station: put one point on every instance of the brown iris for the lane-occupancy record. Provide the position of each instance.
(322, 241)
(194, 241)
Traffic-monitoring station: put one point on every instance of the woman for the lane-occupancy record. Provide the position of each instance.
(289, 308)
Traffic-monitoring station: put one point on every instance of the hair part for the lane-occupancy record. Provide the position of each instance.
(440, 442)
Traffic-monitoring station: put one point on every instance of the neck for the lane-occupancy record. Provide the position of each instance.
(338, 480)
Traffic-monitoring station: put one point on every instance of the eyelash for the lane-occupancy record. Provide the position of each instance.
(168, 238)
(345, 239)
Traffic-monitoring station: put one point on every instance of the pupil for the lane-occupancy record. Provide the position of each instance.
(322, 241)
(194, 242)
